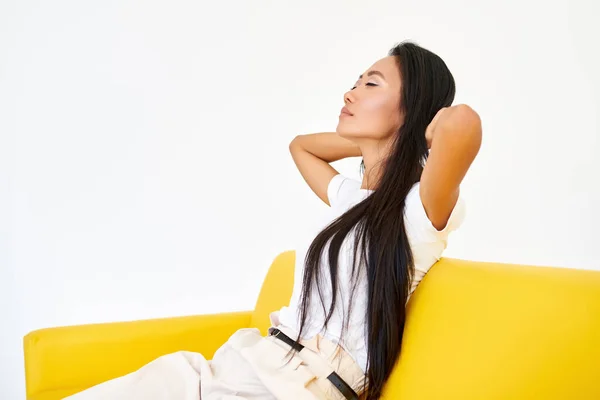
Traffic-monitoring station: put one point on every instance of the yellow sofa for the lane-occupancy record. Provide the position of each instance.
(475, 331)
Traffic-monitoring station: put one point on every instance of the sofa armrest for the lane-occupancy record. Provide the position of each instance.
(78, 357)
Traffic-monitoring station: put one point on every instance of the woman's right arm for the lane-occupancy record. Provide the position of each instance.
(328, 146)
(312, 154)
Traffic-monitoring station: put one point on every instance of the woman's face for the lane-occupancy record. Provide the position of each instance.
(372, 106)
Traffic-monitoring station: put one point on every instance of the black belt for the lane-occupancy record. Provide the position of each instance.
(334, 378)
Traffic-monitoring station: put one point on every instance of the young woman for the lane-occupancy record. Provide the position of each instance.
(341, 334)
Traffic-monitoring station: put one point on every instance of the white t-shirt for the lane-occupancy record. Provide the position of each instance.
(427, 245)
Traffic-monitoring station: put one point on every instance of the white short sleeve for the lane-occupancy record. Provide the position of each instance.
(416, 215)
(339, 187)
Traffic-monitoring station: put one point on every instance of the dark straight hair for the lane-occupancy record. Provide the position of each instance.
(386, 261)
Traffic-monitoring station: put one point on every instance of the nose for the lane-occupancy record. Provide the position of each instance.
(348, 97)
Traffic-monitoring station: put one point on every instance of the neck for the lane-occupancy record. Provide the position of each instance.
(373, 155)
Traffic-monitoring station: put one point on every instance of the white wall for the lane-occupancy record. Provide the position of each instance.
(144, 162)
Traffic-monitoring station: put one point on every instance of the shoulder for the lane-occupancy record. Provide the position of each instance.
(341, 187)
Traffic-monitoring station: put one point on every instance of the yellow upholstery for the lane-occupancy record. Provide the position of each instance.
(474, 331)
(70, 359)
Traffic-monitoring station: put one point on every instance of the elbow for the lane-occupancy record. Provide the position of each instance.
(468, 126)
(468, 119)
(295, 143)
(462, 133)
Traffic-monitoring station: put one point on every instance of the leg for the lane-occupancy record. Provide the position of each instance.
(172, 376)
(231, 377)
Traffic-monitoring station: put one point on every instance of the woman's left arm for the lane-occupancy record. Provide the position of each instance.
(454, 139)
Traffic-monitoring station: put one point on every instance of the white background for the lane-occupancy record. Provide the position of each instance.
(144, 164)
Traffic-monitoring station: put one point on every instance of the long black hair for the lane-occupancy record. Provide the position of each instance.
(386, 259)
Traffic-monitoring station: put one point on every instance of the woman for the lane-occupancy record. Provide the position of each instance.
(341, 334)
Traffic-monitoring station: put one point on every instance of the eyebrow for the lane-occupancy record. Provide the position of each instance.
(373, 73)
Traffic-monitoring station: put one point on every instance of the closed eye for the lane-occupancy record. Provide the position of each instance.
(366, 84)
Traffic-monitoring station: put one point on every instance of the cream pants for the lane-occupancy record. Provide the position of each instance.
(248, 366)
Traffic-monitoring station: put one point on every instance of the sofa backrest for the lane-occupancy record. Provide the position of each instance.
(276, 290)
(478, 330)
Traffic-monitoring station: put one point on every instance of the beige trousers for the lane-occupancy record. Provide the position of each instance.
(247, 367)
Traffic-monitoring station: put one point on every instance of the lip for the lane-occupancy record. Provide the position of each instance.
(345, 111)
